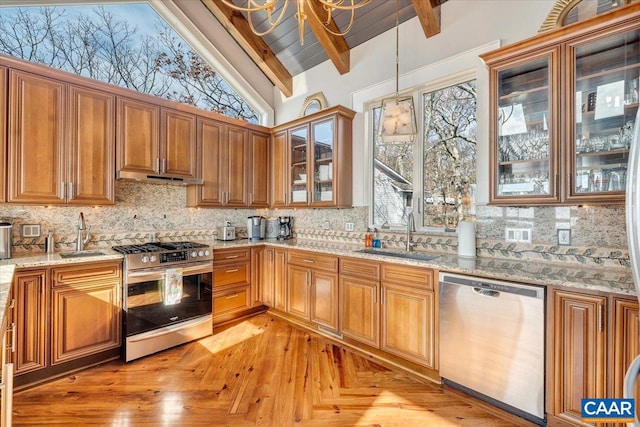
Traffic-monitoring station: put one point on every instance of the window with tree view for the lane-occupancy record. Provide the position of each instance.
(439, 164)
(127, 44)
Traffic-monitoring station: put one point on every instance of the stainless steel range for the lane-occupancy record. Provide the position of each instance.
(167, 295)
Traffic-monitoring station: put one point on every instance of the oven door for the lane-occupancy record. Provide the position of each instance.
(145, 308)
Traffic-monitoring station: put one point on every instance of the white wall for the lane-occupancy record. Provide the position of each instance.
(467, 27)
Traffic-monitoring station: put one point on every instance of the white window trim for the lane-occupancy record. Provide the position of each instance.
(440, 74)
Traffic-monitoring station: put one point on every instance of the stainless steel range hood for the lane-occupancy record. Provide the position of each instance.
(164, 178)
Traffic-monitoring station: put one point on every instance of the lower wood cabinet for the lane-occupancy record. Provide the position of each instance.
(626, 345)
(359, 301)
(85, 311)
(231, 300)
(7, 336)
(273, 289)
(312, 284)
(66, 314)
(232, 283)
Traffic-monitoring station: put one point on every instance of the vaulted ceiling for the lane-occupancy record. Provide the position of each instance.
(280, 54)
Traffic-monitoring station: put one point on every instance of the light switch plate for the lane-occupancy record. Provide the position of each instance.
(30, 230)
(326, 225)
(564, 236)
(348, 226)
(522, 235)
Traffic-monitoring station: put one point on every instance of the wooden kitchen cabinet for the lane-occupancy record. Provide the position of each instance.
(359, 304)
(312, 284)
(7, 345)
(138, 140)
(579, 354)
(178, 145)
(626, 345)
(82, 296)
(31, 290)
(232, 295)
(4, 90)
(578, 86)
(408, 321)
(257, 273)
(209, 136)
(259, 160)
(273, 292)
(317, 159)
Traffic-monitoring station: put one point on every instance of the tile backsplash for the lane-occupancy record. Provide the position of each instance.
(144, 209)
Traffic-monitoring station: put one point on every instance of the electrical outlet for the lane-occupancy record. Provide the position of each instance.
(30, 230)
(326, 225)
(522, 235)
(564, 236)
(348, 226)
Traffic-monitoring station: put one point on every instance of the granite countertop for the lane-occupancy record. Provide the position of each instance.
(617, 281)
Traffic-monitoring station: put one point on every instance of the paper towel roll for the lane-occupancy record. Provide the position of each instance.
(466, 239)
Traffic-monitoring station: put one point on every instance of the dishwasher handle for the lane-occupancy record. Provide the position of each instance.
(486, 292)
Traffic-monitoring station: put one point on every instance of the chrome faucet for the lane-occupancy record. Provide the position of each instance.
(411, 227)
(82, 239)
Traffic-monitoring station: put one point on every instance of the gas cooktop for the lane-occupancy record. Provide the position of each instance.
(157, 247)
(167, 254)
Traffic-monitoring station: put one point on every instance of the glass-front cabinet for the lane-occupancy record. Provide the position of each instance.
(606, 73)
(319, 159)
(562, 110)
(525, 148)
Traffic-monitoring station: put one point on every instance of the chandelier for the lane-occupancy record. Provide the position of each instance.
(268, 7)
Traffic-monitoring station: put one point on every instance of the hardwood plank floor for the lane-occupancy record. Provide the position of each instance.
(261, 372)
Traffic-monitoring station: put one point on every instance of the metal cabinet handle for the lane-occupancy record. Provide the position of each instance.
(250, 198)
(231, 296)
(231, 256)
(164, 165)
(375, 294)
(600, 318)
(62, 195)
(310, 261)
(232, 270)
(71, 194)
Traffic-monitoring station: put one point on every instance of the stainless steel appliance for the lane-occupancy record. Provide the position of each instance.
(272, 228)
(492, 342)
(167, 295)
(286, 227)
(5, 240)
(256, 228)
(226, 232)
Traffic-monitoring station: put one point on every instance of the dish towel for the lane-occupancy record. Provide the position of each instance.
(173, 286)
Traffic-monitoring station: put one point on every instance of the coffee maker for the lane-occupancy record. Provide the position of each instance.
(255, 228)
(285, 224)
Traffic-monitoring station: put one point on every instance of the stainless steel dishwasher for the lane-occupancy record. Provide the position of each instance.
(492, 342)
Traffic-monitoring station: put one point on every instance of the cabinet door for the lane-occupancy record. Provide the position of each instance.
(209, 136)
(30, 291)
(257, 267)
(280, 280)
(323, 138)
(236, 166)
(299, 166)
(359, 310)
(324, 299)
(524, 95)
(3, 131)
(178, 144)
(267, 288)
(408, 323)
(626, 344)
(299, 291)
(258, 170)
(91, 151)
(137, 137)
(37, 107)
(579, 352)
(603, 85)
(75, 307)
(279, 173)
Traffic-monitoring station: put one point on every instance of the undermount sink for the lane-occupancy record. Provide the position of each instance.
(80, 254)
(398, 254)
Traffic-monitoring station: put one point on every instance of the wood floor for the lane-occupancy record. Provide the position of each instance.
(263, 372)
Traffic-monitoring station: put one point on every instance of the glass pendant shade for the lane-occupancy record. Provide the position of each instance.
(397, 120)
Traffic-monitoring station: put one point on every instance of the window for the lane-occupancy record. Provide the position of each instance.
(439, 164)
(127, 44)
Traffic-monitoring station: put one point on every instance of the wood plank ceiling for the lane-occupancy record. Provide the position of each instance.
(280, 55)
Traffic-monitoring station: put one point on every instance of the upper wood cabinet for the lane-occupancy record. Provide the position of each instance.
(3, 132)
(317, 160)
(562, 109)
(61, 142)
(259, 160)
(155, 141)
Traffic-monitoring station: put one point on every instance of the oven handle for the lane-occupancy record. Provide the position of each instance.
(159, 272)
(169, 329)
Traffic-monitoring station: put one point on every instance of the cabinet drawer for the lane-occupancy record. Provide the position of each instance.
(231, 274)
(86, 273)
(314, 260)
(360, 268)
(230, 300)
(414, 276)
(231, 255)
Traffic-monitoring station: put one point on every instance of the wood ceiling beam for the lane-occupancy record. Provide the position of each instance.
(428, 12)
(236, 24)
(336, 47)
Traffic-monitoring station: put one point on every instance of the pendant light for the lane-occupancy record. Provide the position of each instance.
(398, 117)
